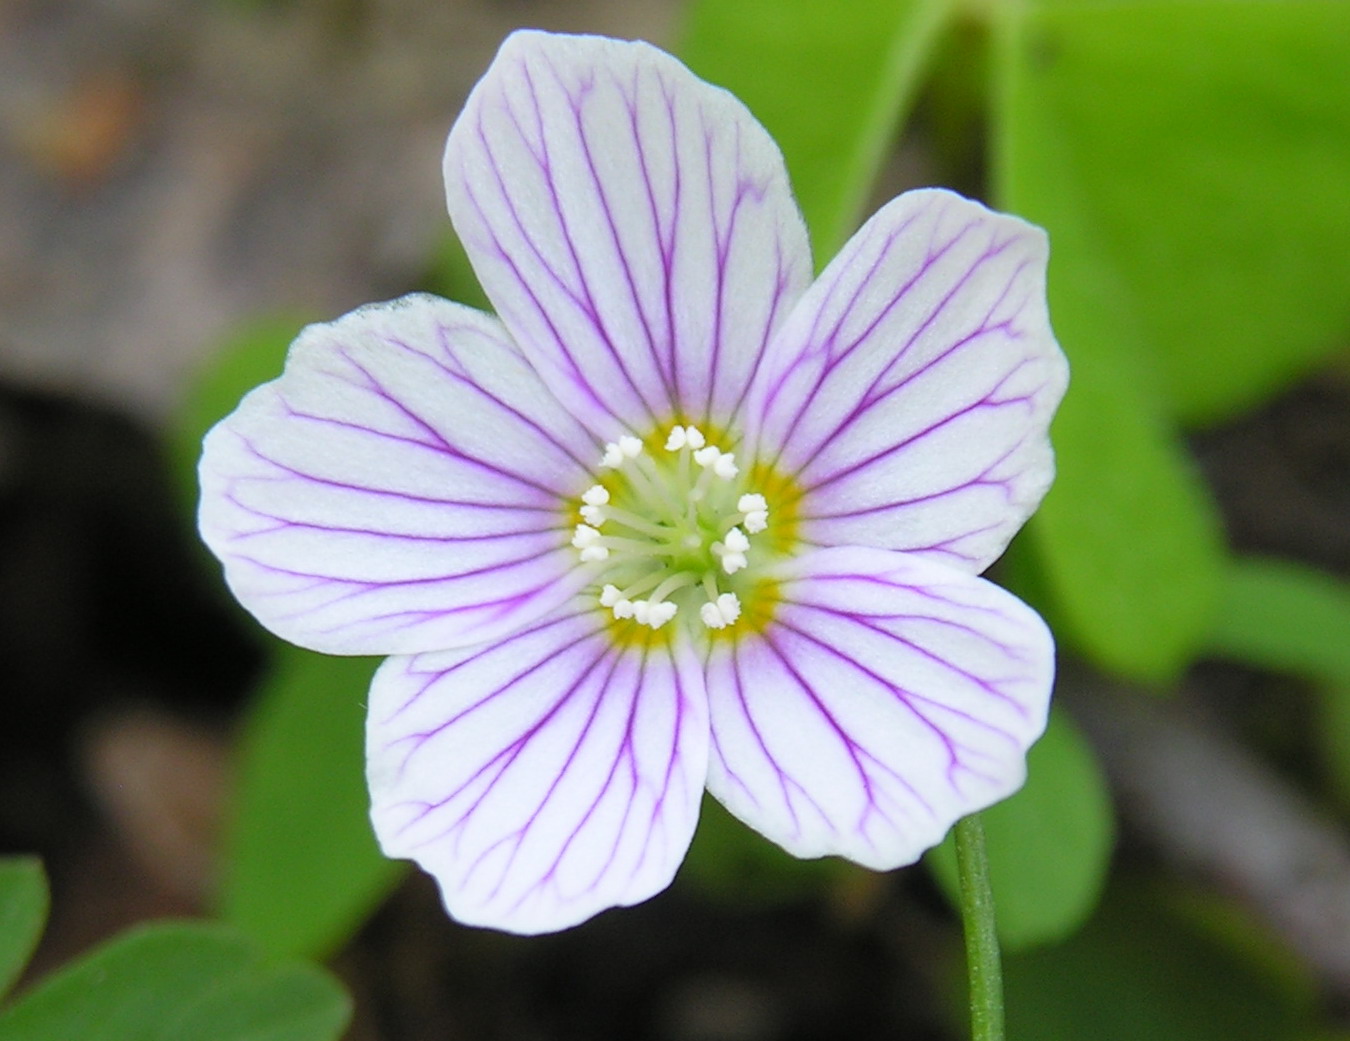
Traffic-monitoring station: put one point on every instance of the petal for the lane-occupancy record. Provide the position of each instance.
(544, 778)
(633, 225)
(402, 487)
(888, 697)
(911, 389)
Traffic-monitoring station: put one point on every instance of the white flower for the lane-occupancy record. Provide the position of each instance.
(677, 517)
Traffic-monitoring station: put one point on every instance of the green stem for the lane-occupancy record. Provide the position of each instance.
(977, 915)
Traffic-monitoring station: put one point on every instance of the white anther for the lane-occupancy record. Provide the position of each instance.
(694, 438)
(585, 536)
(707, 456)
(593, 515)
(725, 466)
(719, 613)
(732, 551)
(756, 512)
(609, 596)
(630, 446)
(677, 439)
(587, 539)
(624, 608)
(613, 456)
(654, 615)
(598, 495)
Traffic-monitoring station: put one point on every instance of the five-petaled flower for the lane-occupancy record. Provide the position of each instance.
(677, 517)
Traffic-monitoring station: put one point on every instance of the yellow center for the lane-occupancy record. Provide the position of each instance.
(675, 529)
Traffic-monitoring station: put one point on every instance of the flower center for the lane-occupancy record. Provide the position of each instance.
(672, 529)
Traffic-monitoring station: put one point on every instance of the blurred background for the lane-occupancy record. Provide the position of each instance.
(183, 185)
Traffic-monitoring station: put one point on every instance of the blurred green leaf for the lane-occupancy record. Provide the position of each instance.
(1128, 540)
(1295, 619)
(1287, 617)
(302, 869)
(453, 277)
(253, 355)
(729, 861)
(831, 84)
(1204, 146)
(23, 913)
(1049, 845)
(1141, 971)
(288, 1003)
(170, 982)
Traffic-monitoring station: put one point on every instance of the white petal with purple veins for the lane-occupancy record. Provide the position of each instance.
(887, 697)
(633, 225)
(911, 389)
(400, 488)
(543, 778)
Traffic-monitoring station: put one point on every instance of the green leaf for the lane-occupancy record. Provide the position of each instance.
(302, 869)
(1142, 970)
(453, 277)
(168, 982)
(730, 862)
(1128, 540)
(1291, 618)
(1049, 845)
(1286, 617)
(831, 84)
(283, 1004)
(1205, 147)
(253, 355)
(23, 913)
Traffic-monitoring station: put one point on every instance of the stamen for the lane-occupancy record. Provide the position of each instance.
(723, 464)
(732, 551)
(587, 539)
(754, 512)
(627, 447)
(651, 614)
(671, 522)
(719, 613)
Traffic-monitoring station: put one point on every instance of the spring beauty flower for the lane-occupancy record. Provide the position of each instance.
(678, 517)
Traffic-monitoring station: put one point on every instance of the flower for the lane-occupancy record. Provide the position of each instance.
(677, 517)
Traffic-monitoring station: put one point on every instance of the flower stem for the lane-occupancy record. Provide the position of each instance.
(977, 915)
